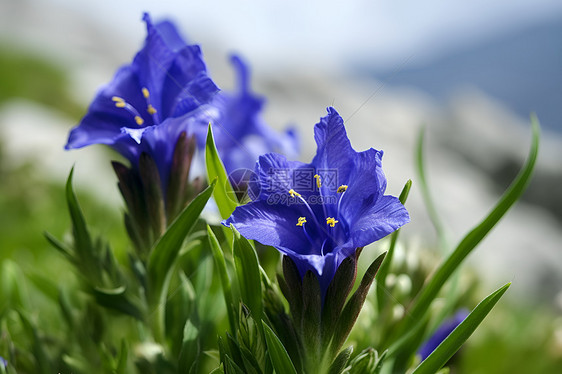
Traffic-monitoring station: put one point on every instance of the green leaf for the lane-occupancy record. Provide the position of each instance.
(453, 342)
(336, 295)
(354, 305)
(341, 361)
(426, 195)
(190, 346)
(122, 363)
(248, 274)
(82, 241)
(291, 286)
(167, 247)
(116, 299)
(473, 238)
(223, 194)
(63, 248)
(310, 324)
(223, 275)
(367, 361)
(231, 367)
(279, 357)
(164, 254)
(153, 195)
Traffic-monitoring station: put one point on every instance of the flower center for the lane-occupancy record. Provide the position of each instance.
(329, 230)
(121, 103)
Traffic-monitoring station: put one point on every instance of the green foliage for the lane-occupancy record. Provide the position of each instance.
(224, 194)
(453, 342)
(91, 307)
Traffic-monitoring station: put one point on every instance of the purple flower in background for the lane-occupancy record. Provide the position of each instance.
(3, 362)
(441, 333)
(320, 213)
(149, 102)
(241, 134)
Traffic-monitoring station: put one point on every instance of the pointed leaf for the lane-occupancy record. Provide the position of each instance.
(459, 335)
(116, 299)
(279, 357)
(337, 294)
(223, 194)
(190, 348)
(153, 195)
(474, 237)
(341, 361)
(167, 248)
(354, 305)
(231, 367)
(248, 274)
(310, 324)
(224, 278)
(122, 363)
(426, 194)
(291, 287)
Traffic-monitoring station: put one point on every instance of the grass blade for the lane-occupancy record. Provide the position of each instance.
(474, 237)
(279, 357)
(223, 275)
(439, 357)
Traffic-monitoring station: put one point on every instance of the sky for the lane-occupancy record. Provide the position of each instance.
(331, 34)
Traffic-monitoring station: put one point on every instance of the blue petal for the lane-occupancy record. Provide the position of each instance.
(159, 142)
(103, 122)
(170, 34)
(271, 224)
(366, 183)
(334, 149)
(385, 216)
(275, 175)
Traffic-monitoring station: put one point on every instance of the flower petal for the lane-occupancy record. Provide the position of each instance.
(334, 149)
(382, 218)
(271, 224)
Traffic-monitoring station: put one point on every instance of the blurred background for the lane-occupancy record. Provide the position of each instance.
(470, 72)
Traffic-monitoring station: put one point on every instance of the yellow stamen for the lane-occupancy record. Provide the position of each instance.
(150, 109)
(294, 193)
(145, 92)
(318, 180)
(120, 104)
(342, 188)
(117, 99)
(331, 221)
(139, 120)
(302, 221)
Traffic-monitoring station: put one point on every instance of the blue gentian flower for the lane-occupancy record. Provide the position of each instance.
(320, 213)
(149, 102)
(441, 333)
(241, 135)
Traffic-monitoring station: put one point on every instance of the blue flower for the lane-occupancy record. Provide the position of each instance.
(3, 362)
(149, 102)
(241, 135)
(320, 213)
(441, 333)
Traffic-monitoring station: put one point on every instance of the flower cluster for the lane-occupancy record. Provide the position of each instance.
(149, 102)
(166, 91)
(183, 277)
(353, 209)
